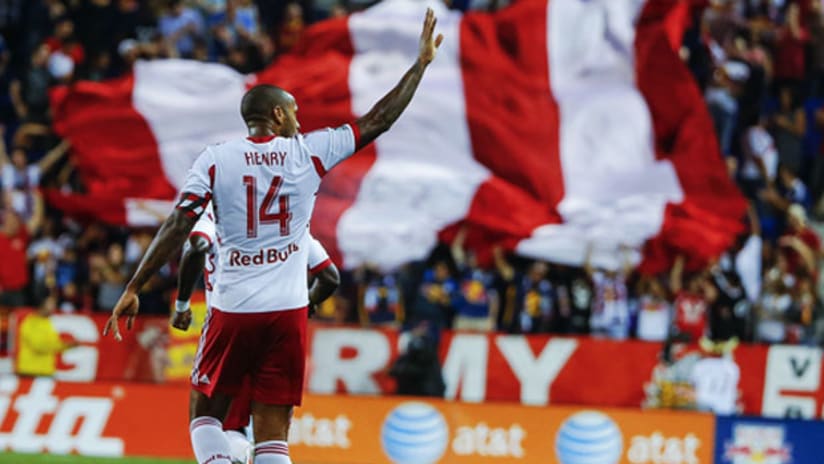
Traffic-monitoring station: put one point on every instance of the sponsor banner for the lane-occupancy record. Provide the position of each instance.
(125, 419)
(93, 419)
(395, 430)
(775, 381)
(742, 440)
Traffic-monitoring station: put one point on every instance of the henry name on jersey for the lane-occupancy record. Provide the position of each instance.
(272, 158)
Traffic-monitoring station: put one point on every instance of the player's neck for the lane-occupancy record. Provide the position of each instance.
(261, 130)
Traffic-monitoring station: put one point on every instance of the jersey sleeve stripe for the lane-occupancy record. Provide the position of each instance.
(193, 205)
(318, 166)
(198, 233)
(323, 265)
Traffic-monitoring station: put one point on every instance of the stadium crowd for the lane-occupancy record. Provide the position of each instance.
(760, 64)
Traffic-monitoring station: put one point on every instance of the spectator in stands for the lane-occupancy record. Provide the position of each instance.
(759, 167)
(43, 254)
(109, 272)
(722, 100)
(654, 310)
(775, 302)
(14, 241)
(790, 49)
(30, 94)
(691, 300)
(610, 306)
(65, 41)
(180, 27)
(788, 126)
(800, 318)
(792, 189)
(21, 179)
(237, 26)
(68, 269)
(380, 301)
(800, 245)
(573, 291)
(535, 300)
(476, 298)
(434, 300)
(291, 28)
(39, 343)
(70, 299)
(730, 310)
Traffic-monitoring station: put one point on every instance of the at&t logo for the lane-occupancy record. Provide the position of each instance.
(589, 437)
(414, 433)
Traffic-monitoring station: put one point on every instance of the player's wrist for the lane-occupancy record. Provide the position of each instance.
(133, 287)
(181, 306)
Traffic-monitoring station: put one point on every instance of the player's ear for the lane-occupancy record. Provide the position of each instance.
(279, 114)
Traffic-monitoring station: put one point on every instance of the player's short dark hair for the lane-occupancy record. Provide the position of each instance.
(259, 101)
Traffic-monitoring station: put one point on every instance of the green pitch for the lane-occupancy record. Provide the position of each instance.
(12, 458)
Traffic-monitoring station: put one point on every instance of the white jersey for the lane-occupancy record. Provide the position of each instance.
(205, 227)
(263, 193)
(716, 385)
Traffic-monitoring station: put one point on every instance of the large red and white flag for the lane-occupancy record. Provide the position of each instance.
(547, 127)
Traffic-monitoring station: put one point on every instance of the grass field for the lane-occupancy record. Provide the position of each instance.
(12, 458)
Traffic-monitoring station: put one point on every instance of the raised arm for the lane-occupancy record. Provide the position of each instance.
(677, 274)
(457, 247)
(588, 268)
(505, 269)
(53, 156)
(386, 111)
(38, 212)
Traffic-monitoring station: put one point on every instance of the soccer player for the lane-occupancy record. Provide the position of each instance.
(199, 253)
(262, 189)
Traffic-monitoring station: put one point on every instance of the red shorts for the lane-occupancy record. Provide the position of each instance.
(267, 350)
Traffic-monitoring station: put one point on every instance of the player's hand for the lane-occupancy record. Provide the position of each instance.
(313, 309)
(127, 305)
(428, 45)
(182, 319)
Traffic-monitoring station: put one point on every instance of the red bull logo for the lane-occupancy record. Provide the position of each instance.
(758, 444)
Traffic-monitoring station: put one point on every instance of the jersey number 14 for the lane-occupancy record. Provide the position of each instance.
(263, 215)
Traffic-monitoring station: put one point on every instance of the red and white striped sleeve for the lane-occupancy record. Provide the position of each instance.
(197, 189)
(318, 257)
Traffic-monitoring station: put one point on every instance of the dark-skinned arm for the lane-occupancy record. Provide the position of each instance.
(386, 111)
(324, 285)
(191, 266)
(166, 243)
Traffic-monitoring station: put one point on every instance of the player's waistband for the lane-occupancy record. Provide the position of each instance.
(258, 311)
